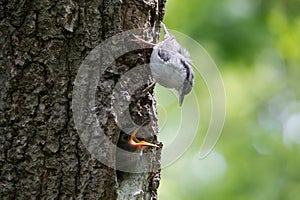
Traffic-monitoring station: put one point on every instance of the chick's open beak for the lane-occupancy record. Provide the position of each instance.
(136, 142)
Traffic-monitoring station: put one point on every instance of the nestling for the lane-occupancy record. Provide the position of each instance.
(132, 143)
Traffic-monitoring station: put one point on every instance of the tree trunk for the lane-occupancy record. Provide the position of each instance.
(43, 43)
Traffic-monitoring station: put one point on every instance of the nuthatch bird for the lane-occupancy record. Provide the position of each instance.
(170, 65)
(132, 143)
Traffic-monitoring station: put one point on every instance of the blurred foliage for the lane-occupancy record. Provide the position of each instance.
(256, 46)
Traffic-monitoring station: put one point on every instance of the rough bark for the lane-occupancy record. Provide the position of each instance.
(43, 43)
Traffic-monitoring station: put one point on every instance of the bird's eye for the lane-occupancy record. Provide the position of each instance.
(164, 55)
(124, 137)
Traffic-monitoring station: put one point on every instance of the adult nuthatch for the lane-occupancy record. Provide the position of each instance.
(170, 65)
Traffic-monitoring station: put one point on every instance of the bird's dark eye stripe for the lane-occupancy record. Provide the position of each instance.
(164, 55)
(187, 69)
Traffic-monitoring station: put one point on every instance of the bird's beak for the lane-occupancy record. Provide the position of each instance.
(136, 142)
(181, 97)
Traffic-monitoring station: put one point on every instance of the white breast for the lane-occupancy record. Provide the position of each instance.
(166, 74)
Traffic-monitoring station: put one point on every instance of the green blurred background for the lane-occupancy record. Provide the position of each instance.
(256, 46)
